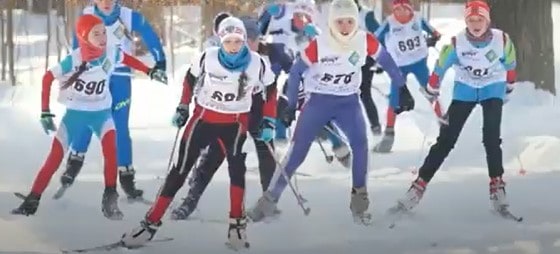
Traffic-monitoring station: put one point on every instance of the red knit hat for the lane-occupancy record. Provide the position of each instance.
(83, 27)
(477, 8)
(403, 3)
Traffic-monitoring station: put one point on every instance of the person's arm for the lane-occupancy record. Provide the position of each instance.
(382, 31)
(308, 57)
(61, 69)
(509, 61)
(371, 23)
(447, 58)
(141, 26)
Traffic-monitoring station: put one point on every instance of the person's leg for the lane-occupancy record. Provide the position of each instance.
(208, 164)
(366, 97)
(351, 121)
(459, 112)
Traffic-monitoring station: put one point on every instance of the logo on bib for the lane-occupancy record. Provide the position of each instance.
(415, 27)
(119, 32)
(491, 56)
(354, 58)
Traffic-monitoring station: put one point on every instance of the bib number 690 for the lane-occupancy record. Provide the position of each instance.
(89, 88)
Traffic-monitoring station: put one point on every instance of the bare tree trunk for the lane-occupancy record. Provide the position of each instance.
(529, 24)
(47, 48)
(3, 44)
(170, 39)
(10, 40)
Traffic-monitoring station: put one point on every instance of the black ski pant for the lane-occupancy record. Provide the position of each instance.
(458, 113)
(198, 135)
(365, 93)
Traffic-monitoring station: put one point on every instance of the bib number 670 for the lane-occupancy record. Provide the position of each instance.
(336, 79)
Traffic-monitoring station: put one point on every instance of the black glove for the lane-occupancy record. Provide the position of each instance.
(288, 116)
(432, 40)
(378, 70)
(406, 101)
(181, 116)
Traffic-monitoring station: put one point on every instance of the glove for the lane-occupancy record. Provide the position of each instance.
(47, 122)
(288, 116)
(432, 40)
(406, 101)
(158, 75)
(181, 116)
(162, 65)
(266, 129)
(310, 31)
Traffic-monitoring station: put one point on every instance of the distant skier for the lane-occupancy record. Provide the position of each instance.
(120, 22)
(484, 62)
(402, 33)
(229, 80)
(84, 75)
(368, 23)
(332, 64)
(214, 39)
(262, 132)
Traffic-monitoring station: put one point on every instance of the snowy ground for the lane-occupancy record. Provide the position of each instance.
(453, 218)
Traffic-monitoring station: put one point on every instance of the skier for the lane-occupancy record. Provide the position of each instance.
(484, 62)
(368, 23)
(120, 22)
(229, 79)
(402, 34)
(333, 64)
(291, 27)
(215, 155)
(88, 106)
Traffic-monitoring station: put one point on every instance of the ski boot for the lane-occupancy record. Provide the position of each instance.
(411, 198)
(140, 235)
(498, 194)
(343, 155)
(237, 237)
(265, 207)
(359, 204)
(73, 166)
(29, 205)
(386, 144)
(109, 204)
(126, 179)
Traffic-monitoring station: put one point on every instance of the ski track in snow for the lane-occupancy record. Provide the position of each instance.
(453, 218)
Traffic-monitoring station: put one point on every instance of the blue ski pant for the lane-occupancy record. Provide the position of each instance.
(120, 87)
(320, 109)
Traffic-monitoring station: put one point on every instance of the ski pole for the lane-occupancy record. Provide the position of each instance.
(328, 157)
(173, 149)
(299, 197)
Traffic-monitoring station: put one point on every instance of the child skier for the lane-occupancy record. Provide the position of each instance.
(228, 80)
(88, 106)
(402, 35)
(291, 26)
(332, 64)
(484, 62)
(262, 133)
(120, 21)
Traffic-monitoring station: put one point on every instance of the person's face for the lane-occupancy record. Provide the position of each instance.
(97, 36)
(106, 6)
(477, 25)
(401, 12)
(232, 45)
(345, 25)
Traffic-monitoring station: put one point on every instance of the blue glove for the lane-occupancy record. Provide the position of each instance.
(181, 116)
(273, 9)
(47, 122)
(266, 129)
(310, 31)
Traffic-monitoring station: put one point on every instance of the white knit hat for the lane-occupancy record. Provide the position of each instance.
(343, 9)
(232, 27)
